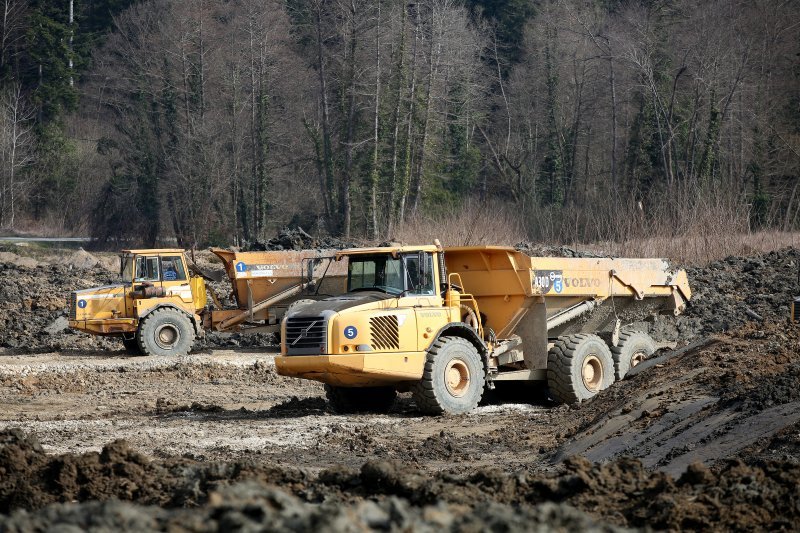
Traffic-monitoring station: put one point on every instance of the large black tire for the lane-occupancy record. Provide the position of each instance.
(633, 348)
(345, 400)
(578, 367)
(131, 346)
(165, 331)
(453, 379)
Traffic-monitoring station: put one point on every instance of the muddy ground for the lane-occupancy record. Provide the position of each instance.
(707, 438)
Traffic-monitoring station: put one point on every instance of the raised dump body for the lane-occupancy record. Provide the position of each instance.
(265, 283)
(503, 279)
(446, 323)
(539, 299)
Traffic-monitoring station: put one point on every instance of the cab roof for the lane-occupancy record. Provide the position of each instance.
(154, 251)
(394, 250)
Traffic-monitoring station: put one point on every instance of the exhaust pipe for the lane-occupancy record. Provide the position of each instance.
(148, 290)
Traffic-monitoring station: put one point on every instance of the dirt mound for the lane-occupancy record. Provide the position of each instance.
(384, 494)
(299, 239)
(730, 399)
(255, 507)
(546, 250)
(34, 312)
(727, 294)
(31, 479)
(737, 290)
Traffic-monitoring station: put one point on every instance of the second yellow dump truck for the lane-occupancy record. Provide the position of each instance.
(160, 304)
(446, 324)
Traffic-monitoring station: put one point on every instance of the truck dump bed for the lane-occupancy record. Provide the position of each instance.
(262, 280)
(579, 294)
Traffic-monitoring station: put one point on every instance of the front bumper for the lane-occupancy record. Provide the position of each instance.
(107, 326)
(354, 370)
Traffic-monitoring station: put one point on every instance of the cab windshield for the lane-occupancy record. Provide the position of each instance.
(393, 275)
(375, 272)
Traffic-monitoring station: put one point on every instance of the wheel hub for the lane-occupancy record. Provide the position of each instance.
(592, 373)
(637, 358)
(456, 377)
(167, 336)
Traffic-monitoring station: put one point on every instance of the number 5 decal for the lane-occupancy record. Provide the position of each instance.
(350, 332)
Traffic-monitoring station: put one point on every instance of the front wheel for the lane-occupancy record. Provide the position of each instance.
(453, 379)
(165, 331)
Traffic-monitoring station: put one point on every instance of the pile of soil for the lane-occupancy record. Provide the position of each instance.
(382, 494)
(298, 239)
(726, 294)
(736, 290)
(33, 316)
(545, 250)
(737, 397)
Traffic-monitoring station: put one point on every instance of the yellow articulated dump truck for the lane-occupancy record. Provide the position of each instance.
(161, 304)
(446, 324)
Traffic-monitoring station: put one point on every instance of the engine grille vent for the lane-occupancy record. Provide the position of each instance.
(384, 332)
(73, 305)
(306, 335)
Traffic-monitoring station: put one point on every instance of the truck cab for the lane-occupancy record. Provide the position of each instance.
(155, 308)
(398, 314)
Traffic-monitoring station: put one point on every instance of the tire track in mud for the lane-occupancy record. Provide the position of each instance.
(704, 406)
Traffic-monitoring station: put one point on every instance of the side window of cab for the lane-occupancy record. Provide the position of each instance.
(419, 275)
(172, 268)
(146, 269)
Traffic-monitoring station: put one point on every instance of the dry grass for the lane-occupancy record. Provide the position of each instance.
(688, 233)
(698, 249)
(686, 226)
(472, 224)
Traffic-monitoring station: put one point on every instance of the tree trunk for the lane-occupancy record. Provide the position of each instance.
(396, 123)
(433, 69)
(327, 156)
(375, 172)
(410, 123)
(612, 82)
(351, 113)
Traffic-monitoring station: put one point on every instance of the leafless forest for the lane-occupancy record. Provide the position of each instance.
(222, 121)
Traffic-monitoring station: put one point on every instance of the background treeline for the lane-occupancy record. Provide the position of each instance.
(220, 121)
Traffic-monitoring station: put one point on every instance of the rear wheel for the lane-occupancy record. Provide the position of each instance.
(453, 379)
(360, 399)
(165, 332)
(633, 348)
(578, 367)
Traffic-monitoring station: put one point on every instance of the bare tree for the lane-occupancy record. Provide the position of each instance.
(16, 151)
(12, 29)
